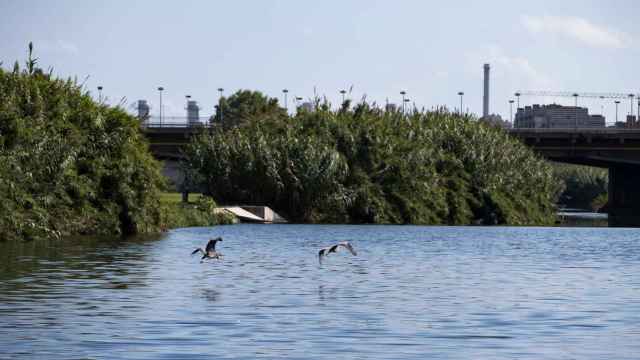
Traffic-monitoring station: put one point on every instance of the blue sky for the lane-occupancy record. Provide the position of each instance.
(431, 49)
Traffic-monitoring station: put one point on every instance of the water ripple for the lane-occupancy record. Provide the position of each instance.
(412, 292)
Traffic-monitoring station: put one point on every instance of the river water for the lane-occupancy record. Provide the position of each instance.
(411, 293)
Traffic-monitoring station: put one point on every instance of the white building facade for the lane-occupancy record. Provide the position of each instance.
(557, 116)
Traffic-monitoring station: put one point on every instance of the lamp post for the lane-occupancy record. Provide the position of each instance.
(298, 99)
(285, 92)
(160, 89)
(617, 102)
(461, 94)
(100, 94)
(631, 96)
(403, 93)
(220, 90)
(511, 111)
(343, 92)
(517, 100)
(403, 102)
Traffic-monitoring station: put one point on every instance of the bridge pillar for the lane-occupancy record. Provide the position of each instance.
(624, 195)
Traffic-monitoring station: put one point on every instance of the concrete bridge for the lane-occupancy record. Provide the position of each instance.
(615, 149)
(166, 143)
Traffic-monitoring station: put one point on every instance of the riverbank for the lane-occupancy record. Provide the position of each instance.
(197, 211)
(581, 218)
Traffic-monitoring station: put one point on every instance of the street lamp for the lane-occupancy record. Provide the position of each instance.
(403, 102)
(160, 89)
(220, 90)
(461, 95)
(511, 111)
(298, 98)
(100, 94)
(631, 96)
(617, 102)
(343, 92)
(285, 92)
(403, 93)
(518, 100)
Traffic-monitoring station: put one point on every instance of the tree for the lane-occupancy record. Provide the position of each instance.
(246, 105)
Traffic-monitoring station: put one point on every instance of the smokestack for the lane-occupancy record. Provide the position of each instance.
(485, 96)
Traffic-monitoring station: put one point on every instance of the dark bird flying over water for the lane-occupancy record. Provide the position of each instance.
(334, 248)
(210, 251)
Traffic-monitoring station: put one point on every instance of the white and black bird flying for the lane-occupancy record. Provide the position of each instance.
(334, 248)
(210, 251)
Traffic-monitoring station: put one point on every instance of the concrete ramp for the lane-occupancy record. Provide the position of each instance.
(265, 213)
(259, 214)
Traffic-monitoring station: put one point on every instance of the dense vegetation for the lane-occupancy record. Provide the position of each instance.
(69, 165)
(244, 105)
(368, 165)
(583, 187)
(201, 212)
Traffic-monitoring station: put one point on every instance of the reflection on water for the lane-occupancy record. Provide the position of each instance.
(211, 295)
(412, 292)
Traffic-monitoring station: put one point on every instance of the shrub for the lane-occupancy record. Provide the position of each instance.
(69, 165)
(368, 165)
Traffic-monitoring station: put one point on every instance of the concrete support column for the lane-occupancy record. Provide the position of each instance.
(624, 195)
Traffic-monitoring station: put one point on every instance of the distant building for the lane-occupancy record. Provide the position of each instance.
(193, 113)
(619, 125)
(557, 116)
(391, 107)
(307, 106)
(143, 111)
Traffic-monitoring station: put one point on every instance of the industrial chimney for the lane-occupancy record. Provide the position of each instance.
(485, 96)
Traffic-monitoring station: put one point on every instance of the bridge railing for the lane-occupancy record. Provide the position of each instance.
(583, 130)
(176, 122)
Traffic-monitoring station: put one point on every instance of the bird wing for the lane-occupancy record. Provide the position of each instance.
(196, 250)
(321, 254)
(211, 245)
(348, 246)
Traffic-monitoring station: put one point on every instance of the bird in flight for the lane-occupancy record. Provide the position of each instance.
(210, 251)
(334, 248)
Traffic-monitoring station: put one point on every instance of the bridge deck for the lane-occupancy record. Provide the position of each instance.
(594, 146)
